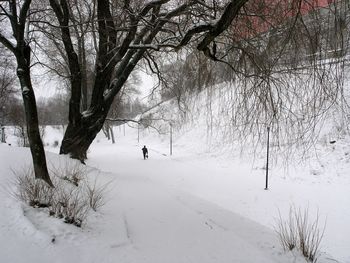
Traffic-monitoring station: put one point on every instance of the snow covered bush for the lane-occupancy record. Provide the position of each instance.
(309, 235)
(72, 172)
(301, 233)
(287, 232)
(96, 194)
(72, 197)
(36, 193)
(70, 203)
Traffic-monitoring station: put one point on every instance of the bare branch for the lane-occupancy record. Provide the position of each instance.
(141, 121)
(231, 12)
(7, 43)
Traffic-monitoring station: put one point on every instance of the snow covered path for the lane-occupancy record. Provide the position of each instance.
(234, 186)
(160, 210)
(164, 224)
(143, 221)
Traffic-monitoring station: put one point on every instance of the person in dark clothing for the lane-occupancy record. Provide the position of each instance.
(145, 152)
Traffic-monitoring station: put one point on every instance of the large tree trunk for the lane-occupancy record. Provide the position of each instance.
(35, 142)
(79, 136)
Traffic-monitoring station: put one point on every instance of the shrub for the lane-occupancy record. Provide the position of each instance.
(298, 232)
(309, 235)
(72, 197)
(36, 193)
(96, 194)
(72, 172)
(286, 231)
(70, 204)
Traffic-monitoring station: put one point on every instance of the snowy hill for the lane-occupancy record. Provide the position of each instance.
(313, 173)
(204, 203)
(181, 208)
(144, 220)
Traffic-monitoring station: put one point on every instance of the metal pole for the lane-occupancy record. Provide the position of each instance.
(3, 134)
(138, 132)
(124, 129)
(171, 139)
(267, 158)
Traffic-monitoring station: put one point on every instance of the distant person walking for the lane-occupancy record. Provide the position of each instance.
(145, 152)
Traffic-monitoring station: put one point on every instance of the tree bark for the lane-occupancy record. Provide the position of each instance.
(17, 16)
(105, 130)
(35, 142)
(79, 136)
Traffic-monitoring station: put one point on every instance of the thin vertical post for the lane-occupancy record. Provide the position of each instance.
(3, 134)
(138, 132)
(112, 134)
(267, 159)
(124, 128)
(171, 139)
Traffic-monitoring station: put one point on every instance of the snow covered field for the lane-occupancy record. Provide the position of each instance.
(188, 207)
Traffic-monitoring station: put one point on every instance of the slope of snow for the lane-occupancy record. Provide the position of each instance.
(308, 170)
(205, 203)
(237, 184)
(154, 214)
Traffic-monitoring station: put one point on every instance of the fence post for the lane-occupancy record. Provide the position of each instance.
(171, 138)
(3, 134)
(138, 132)
(267, 159)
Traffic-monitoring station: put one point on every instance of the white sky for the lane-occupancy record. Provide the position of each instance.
(45, 86)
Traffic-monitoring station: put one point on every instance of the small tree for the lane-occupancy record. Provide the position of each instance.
(7, 80)
(14, 16)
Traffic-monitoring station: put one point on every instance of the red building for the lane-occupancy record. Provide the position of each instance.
(261, 15)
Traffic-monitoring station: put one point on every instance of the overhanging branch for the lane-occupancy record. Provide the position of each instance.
(7, 43)
(123, 121)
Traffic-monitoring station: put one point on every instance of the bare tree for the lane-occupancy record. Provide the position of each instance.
(14, 15)
(290, 73)
(251, 38)
(283, 66)
(126, 33)
(7, 81)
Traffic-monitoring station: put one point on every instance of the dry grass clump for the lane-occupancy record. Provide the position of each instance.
(298, 231)
(72, 197)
